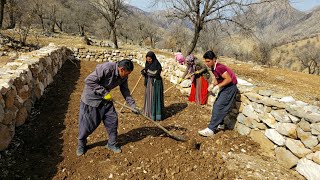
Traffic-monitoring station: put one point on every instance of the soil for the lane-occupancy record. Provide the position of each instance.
(299, 85)
(44, 147)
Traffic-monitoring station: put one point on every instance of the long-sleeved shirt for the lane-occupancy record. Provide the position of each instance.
(101, 81)
(198, 66)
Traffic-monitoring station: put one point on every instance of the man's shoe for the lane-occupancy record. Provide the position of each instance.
(221, 127)
(206, 132)
(114, 148)
(80, 150)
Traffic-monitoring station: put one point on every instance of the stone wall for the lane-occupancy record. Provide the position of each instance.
(103, 56)
(22, 82)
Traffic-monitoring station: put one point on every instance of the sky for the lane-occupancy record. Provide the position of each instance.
(302, 5)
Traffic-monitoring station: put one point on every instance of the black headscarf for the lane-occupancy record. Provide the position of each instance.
(155, 65)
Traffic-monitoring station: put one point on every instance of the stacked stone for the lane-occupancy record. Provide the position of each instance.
(102, 55)
(289, 128)
(284, 127)
(22, 82)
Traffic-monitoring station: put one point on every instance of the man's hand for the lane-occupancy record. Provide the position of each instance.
(136, 110)
(215, 89)
(179, 80)
(196, 72)
(107, 97)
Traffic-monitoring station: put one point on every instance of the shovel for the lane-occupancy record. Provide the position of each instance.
(177, 84)
(176, 137)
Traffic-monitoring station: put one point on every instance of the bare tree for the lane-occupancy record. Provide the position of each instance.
(24, 25)
(309, 56)
(2, 4)
(176, 37)
(14, 10)
(201, 12)
(39, 10)
(82, 14)
(111, 10)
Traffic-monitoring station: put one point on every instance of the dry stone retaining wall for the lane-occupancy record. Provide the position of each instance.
(22, 82)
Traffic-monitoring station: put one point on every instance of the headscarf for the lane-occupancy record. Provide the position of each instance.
(190, 59)
(154, 65)
(191, 64)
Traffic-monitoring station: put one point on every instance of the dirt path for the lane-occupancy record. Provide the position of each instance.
(44, 148)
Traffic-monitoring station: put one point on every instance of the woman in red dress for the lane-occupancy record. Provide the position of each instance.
(199, 75)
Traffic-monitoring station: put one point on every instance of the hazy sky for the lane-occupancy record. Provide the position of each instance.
(302, 5)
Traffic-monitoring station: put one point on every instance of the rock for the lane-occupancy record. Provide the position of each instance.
(307, 139)
(304, 125)
(297, 148)
(286, 158)
(272, 102)
(316, 157)
(265, 144)
(287, 99)
(242, 129)
(249, 112)
(275, 137)
(253, 96)
(241, 118)
(287, 129)
(1, 112)
(308, 169)
(265, 92)
(315, 126)
(6, 136)
(294, 119)
(259, 108)
(280, 115)
(21, 116)
(244, 99)
(268, 119)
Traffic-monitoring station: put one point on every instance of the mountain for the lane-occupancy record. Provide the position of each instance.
(280, 22)
(307, 25)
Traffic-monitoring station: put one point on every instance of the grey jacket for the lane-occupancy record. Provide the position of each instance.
(101, 81)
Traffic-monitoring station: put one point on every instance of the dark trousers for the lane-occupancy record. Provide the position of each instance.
(222, 105)
(90, 118)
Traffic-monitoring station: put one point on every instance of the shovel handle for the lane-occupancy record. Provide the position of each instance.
(180, 138)
(132, 92)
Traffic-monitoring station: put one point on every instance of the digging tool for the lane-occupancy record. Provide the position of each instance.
(177, 84)
(131, 92)
(176, 137)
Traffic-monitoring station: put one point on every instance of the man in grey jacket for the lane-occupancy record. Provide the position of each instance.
(96, 102)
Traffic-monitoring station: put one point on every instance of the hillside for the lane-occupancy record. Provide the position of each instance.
(287, 82)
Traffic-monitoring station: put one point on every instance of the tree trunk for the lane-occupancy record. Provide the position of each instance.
(194, 40)
(2, 3)
(53, 23)
(42, 23)
(12, 22)
(59, 24)
(114, 37)
(81, 30)
(151, 41)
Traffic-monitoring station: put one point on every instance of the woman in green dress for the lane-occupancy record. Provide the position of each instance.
(153, 98)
